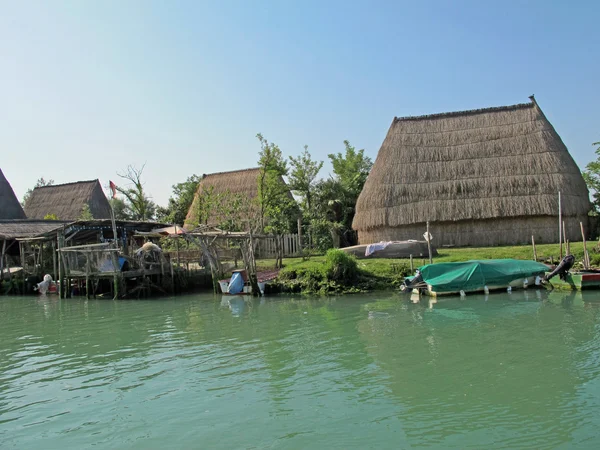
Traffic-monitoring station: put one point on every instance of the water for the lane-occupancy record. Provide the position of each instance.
(503, 371)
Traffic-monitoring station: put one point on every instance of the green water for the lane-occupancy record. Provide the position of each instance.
(518, 370)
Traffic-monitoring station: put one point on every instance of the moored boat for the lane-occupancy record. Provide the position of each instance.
(239, 284)
(460, 278)
(585, 279)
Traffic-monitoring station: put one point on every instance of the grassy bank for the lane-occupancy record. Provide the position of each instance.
(309, 275)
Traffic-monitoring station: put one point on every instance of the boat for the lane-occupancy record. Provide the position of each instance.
(239, 284)
(460, 278)
(562, 277)
(391, 249)
(576, 281)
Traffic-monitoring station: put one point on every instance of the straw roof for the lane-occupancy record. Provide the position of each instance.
(10, 208)
(27, 228)
(66, 201)
(244, 182)
(503, 162)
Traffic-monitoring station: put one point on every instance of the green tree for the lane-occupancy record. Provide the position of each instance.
(591, 175)
(86, 213)
(139, 204)
(203, 206)
(119, 208)
(351, 170)
(277, 207)
(50, 217)
(180, 202)
(41, 182)
(338, 195)
(303, 178)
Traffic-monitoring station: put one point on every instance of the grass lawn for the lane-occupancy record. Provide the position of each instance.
(392, 269)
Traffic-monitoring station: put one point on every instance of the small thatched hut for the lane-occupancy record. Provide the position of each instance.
(67, 201)
(10, 208)
(242, 183)
(481, 177)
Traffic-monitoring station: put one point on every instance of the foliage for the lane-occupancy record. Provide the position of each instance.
(303, 178)
(335, 198)
(340, 266)
(41, 182)
(119, 208)
(86, 213)
(138, 205)
(180, 202)
(591, 175)
(50, 217)
(277, 207)
(227, 211)
(351, 170)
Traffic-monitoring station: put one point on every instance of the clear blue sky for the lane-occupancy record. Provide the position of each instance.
(88, 87)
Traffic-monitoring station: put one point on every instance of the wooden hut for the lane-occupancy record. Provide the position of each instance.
(10, 208)
(67, 201)
(482, 177)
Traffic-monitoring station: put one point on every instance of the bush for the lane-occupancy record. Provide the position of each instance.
(340, 266)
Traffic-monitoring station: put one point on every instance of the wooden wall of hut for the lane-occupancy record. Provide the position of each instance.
(482, 233)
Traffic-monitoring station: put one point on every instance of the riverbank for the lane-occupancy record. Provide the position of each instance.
(310, 275)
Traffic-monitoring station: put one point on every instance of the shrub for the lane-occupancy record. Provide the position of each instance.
(340, 266)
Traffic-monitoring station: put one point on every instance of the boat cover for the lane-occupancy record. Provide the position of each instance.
(474, 275)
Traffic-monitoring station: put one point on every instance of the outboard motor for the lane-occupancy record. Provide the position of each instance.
(561, 270)
(413, 283)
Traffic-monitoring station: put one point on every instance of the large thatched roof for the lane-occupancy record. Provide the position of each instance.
(66, 201)
(10, 208)
(481, 164)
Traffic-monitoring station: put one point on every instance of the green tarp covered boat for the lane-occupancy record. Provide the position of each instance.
(475, 276)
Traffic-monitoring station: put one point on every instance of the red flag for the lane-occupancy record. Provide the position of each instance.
(113, 188)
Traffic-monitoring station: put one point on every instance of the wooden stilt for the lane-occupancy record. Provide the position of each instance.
(429, 244)
(586, 256)
(533, 245)
(560, 227)
(54, 272)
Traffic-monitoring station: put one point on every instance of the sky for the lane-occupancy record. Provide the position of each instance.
(90, 87)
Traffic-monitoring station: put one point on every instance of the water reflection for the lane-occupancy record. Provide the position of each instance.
(500, 362)
(359, 371)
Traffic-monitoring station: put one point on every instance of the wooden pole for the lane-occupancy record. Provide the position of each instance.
(2, 258)
(586, 256)
(299, 235)
(177, 247)
(429, 244)
(564, 235)
(560, 227)
(534, 251)
(54, 272)
(88, 255)
(60, 271)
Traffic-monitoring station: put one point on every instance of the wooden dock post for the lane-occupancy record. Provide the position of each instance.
(88, 255)
(560, 227)
(534, 251)
(586, 256)
(429, 243)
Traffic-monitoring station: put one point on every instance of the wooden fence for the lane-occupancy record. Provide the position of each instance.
(266, 246)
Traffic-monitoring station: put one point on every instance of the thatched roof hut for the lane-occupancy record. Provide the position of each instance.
(66, 201)
(10, 208)
(238, 182)
(481, 177)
